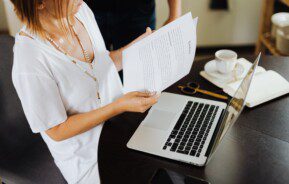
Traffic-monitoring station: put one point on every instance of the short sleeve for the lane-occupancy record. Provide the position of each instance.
(87, 9)
(41, 101)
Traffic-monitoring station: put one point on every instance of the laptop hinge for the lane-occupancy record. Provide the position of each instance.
(215, 134)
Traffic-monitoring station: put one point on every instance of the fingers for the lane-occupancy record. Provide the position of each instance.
(149, 101)
(145, 108)
(144, 94)
(141, 101)
(148, 31)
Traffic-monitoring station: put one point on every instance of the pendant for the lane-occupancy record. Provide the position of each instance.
(97, 95)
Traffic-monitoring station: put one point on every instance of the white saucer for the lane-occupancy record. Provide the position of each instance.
(211, 70)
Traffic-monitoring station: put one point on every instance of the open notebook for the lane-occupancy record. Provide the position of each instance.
(266, 85)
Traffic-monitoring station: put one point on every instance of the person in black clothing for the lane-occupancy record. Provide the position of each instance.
(121, 21)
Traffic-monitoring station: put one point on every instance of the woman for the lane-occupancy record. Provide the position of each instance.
(68, 82)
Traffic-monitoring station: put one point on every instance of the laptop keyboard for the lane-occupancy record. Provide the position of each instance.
(192, 128)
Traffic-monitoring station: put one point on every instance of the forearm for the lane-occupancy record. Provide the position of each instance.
(116, 57)
(79, 123)
(175, 8)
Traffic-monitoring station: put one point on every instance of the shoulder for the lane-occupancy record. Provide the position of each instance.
(28, 56)
(26, 46)
(86, 11)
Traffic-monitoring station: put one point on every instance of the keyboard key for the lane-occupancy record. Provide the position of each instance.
(188, 148)
(192, 128)
(186, 136)
(191, 139)
(173, 148)
(189, 144)
(175, 145)
(193, 153)
(185, 139)
(172, 136)
(174, 132)
(194, 132)
(180, 151)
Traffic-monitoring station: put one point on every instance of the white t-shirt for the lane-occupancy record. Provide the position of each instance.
(51, 88)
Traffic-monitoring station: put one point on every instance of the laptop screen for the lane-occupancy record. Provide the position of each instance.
(235, 106)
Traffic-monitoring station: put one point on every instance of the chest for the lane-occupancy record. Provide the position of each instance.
(79, 91)
(80, 47)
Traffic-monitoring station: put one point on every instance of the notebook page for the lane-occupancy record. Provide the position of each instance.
(264, 87)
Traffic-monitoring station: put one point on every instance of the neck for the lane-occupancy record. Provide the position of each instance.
(53, 25)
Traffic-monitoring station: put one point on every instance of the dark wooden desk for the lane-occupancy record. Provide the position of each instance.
(256, 150)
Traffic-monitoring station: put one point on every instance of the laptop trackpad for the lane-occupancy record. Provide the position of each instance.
(159, 119)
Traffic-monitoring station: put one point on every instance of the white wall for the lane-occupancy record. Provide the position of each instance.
(238, 26)
(13, 22)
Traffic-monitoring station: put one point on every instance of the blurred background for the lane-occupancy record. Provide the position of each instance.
(240, 25)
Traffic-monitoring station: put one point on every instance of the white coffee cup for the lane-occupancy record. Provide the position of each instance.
(225, 60)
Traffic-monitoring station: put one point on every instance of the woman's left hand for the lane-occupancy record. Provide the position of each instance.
(116, 55)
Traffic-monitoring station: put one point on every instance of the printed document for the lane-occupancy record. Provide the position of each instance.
(162, 58)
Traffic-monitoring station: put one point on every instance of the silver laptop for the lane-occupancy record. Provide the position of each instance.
(189, 129)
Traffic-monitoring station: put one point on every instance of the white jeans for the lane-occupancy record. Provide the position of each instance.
(91, 177)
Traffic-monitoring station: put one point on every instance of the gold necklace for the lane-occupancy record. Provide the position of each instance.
(74, 62)
(84, 51)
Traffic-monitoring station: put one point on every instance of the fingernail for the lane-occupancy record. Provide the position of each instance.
(153, 93)
(148, 29)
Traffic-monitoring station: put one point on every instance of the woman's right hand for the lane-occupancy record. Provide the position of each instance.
(137, 101)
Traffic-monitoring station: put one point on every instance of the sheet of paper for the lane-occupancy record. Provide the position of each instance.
(162, 58)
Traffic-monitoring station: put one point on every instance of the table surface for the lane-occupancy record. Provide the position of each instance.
(255, 150)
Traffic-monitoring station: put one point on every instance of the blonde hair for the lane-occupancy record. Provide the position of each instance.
(28, 13)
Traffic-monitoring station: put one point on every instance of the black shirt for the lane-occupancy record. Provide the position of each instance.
(119, 5)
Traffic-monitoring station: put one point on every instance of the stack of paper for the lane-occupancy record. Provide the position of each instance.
(162, 58)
